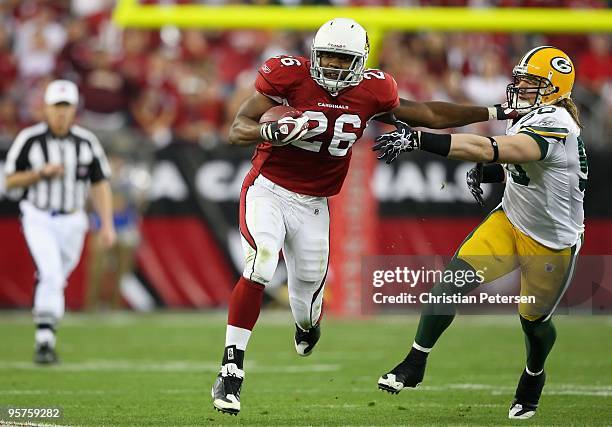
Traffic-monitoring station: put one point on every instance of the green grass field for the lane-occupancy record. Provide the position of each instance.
(157, 369)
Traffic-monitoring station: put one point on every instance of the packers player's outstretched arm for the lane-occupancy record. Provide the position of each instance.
(519, 148)
(442, 115)
(245, 129)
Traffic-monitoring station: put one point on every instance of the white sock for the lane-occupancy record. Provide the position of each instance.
(237, 336)
(420, 347)
(533, 374)
(45, 336)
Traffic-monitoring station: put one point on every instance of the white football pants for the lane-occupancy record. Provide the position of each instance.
(55, 243)
(273, 218)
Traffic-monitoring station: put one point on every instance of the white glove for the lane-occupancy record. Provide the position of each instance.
(285, 130)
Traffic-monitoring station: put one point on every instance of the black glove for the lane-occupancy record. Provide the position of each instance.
(503, 112)
(473, 179)
(285, 130)
(392, 144)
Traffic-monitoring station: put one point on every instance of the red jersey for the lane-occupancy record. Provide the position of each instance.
(317, 164)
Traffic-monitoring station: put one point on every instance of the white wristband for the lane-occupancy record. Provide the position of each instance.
(492, 113)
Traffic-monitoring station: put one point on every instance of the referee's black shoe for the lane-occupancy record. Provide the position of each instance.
(527, 396)
(305, 341)
(226, 389)
(44, 354)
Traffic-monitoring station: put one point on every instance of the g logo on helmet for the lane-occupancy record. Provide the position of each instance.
(561, 64)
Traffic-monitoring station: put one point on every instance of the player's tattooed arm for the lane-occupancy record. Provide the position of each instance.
(245, 129)
(442, 115)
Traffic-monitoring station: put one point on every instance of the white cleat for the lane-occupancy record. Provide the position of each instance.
(226, 389)
(389, 382)
(520, 412)
(408, 374)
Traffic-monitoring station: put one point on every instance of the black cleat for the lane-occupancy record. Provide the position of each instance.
(527, 396)
(305, 341)
(226, 389)
(44, 354)
(409, 373)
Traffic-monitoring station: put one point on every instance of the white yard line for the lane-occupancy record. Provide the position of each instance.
(57, 391)
(167, 366)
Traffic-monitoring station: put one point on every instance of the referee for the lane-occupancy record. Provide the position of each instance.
(53, 166)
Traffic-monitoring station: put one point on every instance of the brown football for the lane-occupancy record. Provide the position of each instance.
(279, 112)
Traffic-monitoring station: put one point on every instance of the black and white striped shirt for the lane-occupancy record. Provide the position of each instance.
(79, 152)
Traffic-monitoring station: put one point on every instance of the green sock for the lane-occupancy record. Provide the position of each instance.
(436, 317)
(539, 340)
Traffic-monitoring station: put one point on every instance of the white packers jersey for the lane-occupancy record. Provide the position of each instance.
(544, 199)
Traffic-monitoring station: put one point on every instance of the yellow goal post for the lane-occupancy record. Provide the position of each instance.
(376, 20)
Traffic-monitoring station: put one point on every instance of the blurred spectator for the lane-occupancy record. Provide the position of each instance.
(155, 108)
(194, 46)
(104, 91)
(594, 66)
(134, 56)
(200, 112)
(8, 63)
(10, 124)
(432, 48)
(37, 42)
(488, 86)
(90, 7)
(282, 43)
(76, 52)
(239, 51)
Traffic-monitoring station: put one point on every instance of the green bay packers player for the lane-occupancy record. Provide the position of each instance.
(538, 226)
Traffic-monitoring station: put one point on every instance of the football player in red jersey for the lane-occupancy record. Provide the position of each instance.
(298, 163)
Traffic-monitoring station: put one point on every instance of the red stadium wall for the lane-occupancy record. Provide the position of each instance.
(183, 263)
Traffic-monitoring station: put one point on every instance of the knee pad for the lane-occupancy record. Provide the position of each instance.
(261, 263)
(312, 264)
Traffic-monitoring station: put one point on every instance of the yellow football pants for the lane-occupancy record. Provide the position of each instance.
(497, 248)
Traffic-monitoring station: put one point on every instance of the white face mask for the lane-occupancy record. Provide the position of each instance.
(351, 76)
(523, 105)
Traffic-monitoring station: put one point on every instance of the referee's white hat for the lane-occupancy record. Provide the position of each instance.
(61, 91)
